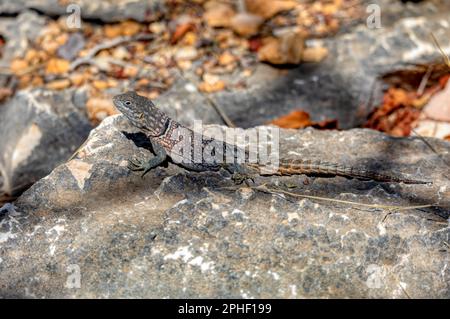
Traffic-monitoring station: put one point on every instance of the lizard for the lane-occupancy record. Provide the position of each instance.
(166, 140)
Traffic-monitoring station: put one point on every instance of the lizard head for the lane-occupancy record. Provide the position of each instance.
(142, 113)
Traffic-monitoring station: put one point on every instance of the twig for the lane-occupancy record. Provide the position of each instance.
(424, 81)
(263, 188)
(444, 56)
(7, 71)
(107, 45)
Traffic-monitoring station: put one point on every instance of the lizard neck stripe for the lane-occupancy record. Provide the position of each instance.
(166, 127)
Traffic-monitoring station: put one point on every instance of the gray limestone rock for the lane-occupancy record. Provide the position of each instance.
(92, 228)
(107, 11)
(39, 130)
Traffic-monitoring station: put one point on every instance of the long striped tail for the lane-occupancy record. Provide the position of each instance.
(309, 167)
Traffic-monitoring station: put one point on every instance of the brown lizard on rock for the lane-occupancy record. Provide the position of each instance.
(170, 138)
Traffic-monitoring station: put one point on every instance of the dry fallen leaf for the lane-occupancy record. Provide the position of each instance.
(18, 65)
(226, 58)
(58, 84)
(295, 119)
(57, 66)
(300, 119)
(112, 30)
(180, 31)
(130, 28)
(314, 54)
(397, 115)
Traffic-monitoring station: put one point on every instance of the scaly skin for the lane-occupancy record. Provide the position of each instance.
(164, 134)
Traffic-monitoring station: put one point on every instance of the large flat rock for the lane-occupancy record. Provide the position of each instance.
(184, 234)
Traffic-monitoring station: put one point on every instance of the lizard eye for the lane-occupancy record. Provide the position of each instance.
(127, 103)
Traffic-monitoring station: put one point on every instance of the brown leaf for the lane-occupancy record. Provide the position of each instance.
(301, 119)
(18, 66)
(314, 54)
(296, 119)
(58, 84)
(57, 66)
(180, 31)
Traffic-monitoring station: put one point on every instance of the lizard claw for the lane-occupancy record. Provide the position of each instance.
(135, 165)
(239, 178)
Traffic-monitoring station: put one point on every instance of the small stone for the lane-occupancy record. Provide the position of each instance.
(246, 24)
(218, 14)
(186, 53)
(58, 84)
(57, 66)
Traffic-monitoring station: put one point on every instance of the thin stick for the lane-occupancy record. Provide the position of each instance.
(444, 56)
(107, 45)
(263, 188)
(424, 81)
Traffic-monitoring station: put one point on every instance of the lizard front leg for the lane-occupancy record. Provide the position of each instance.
(240, 174)
(160, 156)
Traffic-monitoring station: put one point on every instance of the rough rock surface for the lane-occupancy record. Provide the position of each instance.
(103, 10)
(92, 228)
(39, 130)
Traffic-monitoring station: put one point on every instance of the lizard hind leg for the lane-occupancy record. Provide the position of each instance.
(138, 165)
(239, 178)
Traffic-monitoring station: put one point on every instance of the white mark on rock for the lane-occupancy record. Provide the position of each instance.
(274, 275)
(293, 290)
(376, 276)
(190, 87)
(5, 236)
(26, 144)
(204, 266)
(239, 212)
(182, 252)
(80, 171)
(55, 231)
(57, 228)
(245, 295)
(381, 229)
(292, 216)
